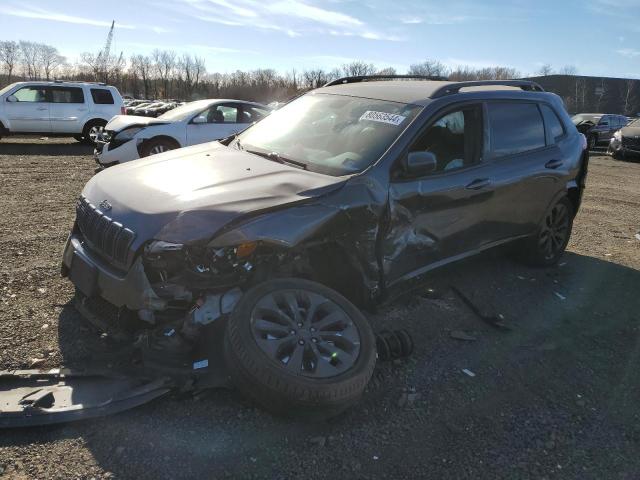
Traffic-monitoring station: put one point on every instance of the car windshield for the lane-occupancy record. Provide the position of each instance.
(332, 134)
(580, 118)
(185, 111)
(634, 123)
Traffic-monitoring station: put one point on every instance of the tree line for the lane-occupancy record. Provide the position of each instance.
(166, 74)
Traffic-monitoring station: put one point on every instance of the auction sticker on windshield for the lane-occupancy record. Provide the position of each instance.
(383, 117)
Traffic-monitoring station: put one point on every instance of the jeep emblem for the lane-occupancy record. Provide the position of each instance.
(105, 206)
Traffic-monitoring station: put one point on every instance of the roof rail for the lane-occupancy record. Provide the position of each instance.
(365, 78)
(452, 88)
(79, 81)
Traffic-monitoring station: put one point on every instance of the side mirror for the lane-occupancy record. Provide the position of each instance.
(12, 99)
(199, 119)
(421, 163)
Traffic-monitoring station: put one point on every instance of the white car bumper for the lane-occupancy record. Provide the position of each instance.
(123, 153)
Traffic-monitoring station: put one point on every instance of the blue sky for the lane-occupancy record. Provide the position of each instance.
(598, 37)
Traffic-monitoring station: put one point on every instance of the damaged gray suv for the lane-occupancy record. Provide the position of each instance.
(270, 238)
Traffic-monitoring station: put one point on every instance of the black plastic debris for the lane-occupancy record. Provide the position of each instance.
(496, 321)
(393, 344)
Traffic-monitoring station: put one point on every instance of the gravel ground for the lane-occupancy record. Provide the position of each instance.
(555, 397)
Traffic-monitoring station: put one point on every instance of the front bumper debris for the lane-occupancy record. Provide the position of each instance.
(32, 397)
(105, 155)
(93, 277)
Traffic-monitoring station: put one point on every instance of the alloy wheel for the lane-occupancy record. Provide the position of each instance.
(158, 149)
(305, 333)
(95, 133)
(554, 232)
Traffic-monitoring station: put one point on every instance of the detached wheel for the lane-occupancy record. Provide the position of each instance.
(158, 145)
(547, 246)
(299, 349)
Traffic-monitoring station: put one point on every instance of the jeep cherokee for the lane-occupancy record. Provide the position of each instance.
(340, 197)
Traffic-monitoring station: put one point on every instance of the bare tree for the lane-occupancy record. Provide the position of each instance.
(628, 96)
(9, 56)
(103, 67)
(49, 58)
(545, 69)
(387, 71)
(165, 63)
(29, 56)
(428, 68)
(315, 78)
(357, 68)
(141, 66)
(486, 73)
(601, 92)
(568, 70)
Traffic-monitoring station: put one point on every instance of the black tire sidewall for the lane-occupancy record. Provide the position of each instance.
(148, 145)
(270, 385)
(536, 255)
(85, 131)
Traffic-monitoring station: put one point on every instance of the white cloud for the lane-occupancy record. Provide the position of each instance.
(290, 17)
(299, 9)
(42, 14)
(629, 52)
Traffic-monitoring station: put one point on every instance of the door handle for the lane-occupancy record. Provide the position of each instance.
(42, 109)
(478, 183)
(82, 109)
(553, 164)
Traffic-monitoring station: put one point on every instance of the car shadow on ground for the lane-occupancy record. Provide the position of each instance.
(574, 328)
(27, 147)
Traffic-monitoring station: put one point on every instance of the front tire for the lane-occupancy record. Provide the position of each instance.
(550, 241)
(299, 349)
(593, 141)
(156, 146)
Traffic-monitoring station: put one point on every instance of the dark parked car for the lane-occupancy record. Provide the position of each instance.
(626, 141)
(342, 197)
(598, 127)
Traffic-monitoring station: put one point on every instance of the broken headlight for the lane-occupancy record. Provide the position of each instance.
(195, 263)
(124, 136)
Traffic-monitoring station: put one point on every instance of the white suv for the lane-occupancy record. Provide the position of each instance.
(80, 110)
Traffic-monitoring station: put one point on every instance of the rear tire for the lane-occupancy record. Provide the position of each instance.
(299, 368)
(157, 145)
(92, 131)
(550, 241)
(593, 142)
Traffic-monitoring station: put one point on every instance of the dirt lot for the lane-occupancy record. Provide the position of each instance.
(555, 397)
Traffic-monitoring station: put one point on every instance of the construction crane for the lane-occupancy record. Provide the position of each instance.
(103, 56)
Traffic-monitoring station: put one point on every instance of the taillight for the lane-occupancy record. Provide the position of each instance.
(123, 111)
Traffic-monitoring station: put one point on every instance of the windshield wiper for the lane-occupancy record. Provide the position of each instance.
(276, 157)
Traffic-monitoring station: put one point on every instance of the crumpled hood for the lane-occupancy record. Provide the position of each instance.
(120, 122)
(190, 193)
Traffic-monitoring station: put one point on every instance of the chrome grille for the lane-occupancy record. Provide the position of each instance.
(108, 238)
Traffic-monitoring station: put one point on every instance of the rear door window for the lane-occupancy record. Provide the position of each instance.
(101, 96)
(66, 95)
(515, 128)
(554, 127)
